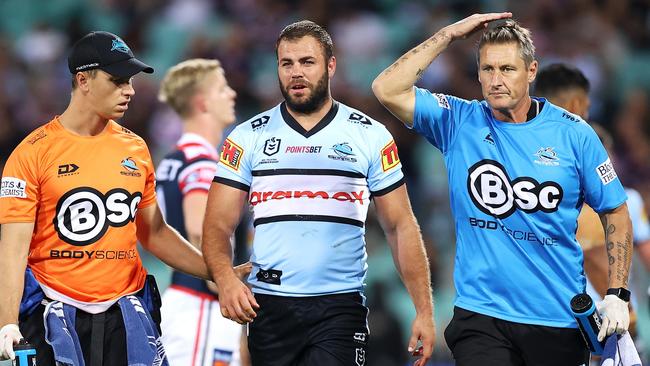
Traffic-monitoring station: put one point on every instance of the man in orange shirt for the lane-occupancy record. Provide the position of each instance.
(76, 196)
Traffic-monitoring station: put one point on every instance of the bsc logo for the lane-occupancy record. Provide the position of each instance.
(495, 194)
(84, 214)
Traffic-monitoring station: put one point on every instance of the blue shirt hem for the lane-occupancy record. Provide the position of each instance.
(515, 318)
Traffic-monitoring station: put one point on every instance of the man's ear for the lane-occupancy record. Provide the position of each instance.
(199, 103)
(532, 71)
(82, 79)
(331, 66)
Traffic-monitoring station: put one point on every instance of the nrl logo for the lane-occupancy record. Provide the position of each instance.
(272, 146)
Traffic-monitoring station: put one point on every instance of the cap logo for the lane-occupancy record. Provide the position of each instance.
(119, 45)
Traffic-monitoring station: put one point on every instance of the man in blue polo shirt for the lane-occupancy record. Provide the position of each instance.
(519, 169)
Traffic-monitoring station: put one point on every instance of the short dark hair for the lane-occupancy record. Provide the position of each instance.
(304, 28)
(558, 77)
(509, 31)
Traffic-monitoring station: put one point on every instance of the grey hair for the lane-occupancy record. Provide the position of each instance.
(510, 32)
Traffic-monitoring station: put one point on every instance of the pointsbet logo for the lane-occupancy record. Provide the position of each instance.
(495, 194)
(84, 214)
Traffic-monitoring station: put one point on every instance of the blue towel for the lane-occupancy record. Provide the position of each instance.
(143, 343)
(32, 295)
(620, 351)
(60, 333)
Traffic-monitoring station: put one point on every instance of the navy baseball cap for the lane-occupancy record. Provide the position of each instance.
(105, 51)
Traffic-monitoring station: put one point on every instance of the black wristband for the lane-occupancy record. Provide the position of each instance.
(620, 292)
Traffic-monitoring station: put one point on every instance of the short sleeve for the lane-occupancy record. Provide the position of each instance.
(385, 172)
(149, 193)
(602, 189)
(234, 168)
(436, 117)
(20, 190)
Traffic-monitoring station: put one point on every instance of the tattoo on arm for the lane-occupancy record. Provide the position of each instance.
(618, 252)
(428, 43)
(624, 257)
(610, 247)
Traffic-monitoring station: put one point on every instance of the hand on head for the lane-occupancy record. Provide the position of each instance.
(466, 27)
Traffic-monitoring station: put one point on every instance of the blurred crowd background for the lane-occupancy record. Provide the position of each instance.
(609, 40)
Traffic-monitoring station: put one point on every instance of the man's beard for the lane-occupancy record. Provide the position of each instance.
(317, 98)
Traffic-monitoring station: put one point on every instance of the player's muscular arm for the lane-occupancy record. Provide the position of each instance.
(394, 86)
(167, 244)
(222, 215)
(618, 236)
(403, 234)
(597, 268)
(14, 247)
(194, 205)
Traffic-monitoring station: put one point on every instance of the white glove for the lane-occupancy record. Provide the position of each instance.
(615, 314)
(9, 335)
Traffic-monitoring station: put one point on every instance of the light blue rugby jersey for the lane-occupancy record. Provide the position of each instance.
(309, 193)
(516, 192)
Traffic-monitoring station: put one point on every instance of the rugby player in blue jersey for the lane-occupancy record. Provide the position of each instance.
(309, 168)
(519, 170)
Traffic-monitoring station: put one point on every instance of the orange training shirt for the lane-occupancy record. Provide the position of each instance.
(82, 193)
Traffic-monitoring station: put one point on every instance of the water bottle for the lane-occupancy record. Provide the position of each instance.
(589, 321)
(25, 354)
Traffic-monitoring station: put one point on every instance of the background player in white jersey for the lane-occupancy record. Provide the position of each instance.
(519, 169)
(309, 167)
(194, 332)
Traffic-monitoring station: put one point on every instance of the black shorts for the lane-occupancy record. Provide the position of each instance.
(114, 337)
(329, 330)
(479, 340)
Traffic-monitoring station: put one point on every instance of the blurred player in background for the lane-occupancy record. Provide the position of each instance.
(568, 88)
(76, 195)
(194, 332)
(519, 168)
(309, 168)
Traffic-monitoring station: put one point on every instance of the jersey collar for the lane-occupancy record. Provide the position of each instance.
(191, 138)
(289, 120)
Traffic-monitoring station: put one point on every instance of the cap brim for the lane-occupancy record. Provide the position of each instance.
(127, 68)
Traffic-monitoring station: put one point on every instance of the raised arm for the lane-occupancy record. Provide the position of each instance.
(394, 86)
(403, 234)
(223, 213)
(618, 236)
(14, 247)
(167, 244)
